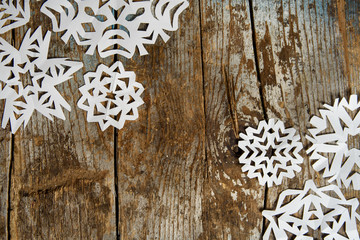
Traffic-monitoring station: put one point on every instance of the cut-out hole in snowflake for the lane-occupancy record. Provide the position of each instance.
(114, 26)
(335, 139)
(270, 152)
(111, 96)
(13, 14)
(299, 213)
(28, 80)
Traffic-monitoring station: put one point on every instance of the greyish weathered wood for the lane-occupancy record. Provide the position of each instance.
(309, 55)
(232, 201)
(63, 178)
(161, 159)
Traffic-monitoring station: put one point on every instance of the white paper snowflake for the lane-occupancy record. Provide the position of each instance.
(28, 80)
(114, 26)
(111, 96)
(270, 152)
(13, 14)
(330, 136)
(300, 212)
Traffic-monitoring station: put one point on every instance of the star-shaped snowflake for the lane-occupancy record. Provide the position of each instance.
(114, 26)
(270, 152)
(111, 96)
(300, 211)
(330, 150)
(13, 14)
(28, 79)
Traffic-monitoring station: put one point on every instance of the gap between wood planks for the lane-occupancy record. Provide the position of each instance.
(261, 92)
(206, 177)
(12, 157)
(116, 184)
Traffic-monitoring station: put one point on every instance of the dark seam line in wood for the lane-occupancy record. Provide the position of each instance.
(260, 91)
(203, 80)
(116, 186)
(230, 88)
(204, 101)
(12, 157)
(117, 212)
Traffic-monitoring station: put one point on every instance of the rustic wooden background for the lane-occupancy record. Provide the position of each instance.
(174, 173)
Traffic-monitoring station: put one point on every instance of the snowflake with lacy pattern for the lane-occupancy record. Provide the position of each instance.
(114, 26)
(111, 96)
(270, 152)
(28, 80)
(301, 213)
(335, 140)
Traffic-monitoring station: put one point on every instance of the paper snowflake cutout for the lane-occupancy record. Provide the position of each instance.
(114, 26)
(330, 148)
(28, 80)
(300, 212)
(13, 14)
(111, 96)
(270, 152)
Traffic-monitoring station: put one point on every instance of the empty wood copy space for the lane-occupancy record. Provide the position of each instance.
(174, 172)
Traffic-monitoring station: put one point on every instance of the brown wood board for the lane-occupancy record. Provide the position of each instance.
(174, 172)
(63, 172)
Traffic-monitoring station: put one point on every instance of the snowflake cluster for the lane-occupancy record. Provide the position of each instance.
(28, 80)
(300, 212)
(111, 96)
(330, 150)
(13, 14)
(114, 26)
(270, 152)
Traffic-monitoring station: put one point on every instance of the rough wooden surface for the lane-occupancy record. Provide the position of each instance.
(308, 55)
(5, 161)
(174, 172)
(161, 158)
(232, 202)
(63, 171)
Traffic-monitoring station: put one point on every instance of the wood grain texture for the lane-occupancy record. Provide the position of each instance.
(63, 175)
(5, 161)
(308, 55)
(5, 158)
(232, 102)
(161, 159)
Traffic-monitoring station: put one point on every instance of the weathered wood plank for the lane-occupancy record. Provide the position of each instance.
(5, 158)
(232, 201)
(309, 55)
(5, 161)
(63, 176)
(161, 160)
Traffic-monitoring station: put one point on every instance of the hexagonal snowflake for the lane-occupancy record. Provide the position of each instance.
(331, 137)
(28, 80)
(111, 96)
(114, 26)
(270, 152)
(298, 213)
(13, 14)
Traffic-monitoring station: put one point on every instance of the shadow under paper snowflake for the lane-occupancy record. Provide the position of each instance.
(300, 212)
(28, 80)
(114, 26)
(331, 150)
(270, 152)
(111, 96)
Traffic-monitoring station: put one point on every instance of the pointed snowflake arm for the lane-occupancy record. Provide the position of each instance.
(59, 6)
(12, 17)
